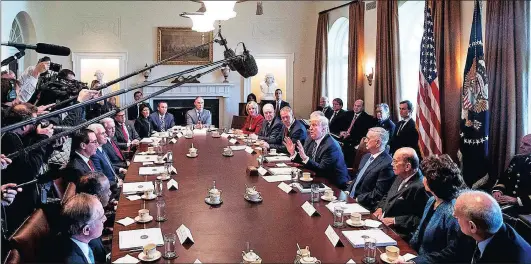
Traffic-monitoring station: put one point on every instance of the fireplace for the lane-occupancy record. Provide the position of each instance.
(179, 107)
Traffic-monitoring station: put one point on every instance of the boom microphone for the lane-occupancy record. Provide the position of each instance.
(42, 48)
(246, 66)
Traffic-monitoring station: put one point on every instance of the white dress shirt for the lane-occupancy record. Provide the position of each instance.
(85, 159)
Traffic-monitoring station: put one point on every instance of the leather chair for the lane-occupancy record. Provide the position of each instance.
(30, 240)
(59, 186)
(238, 122)
(70, 191)
(362, 150)
(12, 257)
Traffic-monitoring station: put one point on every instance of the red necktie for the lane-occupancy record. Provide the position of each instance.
(91, 165)
(125, 133)
(117, 150)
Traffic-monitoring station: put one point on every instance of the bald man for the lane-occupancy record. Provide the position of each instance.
(199, 116)
(356, 125)
(480, 217)
(402, 207)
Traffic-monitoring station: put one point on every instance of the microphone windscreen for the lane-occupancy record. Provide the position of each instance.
(246, 66)
(52, 49)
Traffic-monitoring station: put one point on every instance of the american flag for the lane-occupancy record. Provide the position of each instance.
(428, 114)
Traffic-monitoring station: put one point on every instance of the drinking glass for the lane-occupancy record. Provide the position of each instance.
(370, 250)
(169, 245)
(338, 216)
(260, 160)
(159, 187)
(161, 210)
(315, 193)
(294, 175)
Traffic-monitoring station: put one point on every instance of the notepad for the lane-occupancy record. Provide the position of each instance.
(281, 170)
(136, 187)
(277, 158)
(355, 237)
(138, 238)
(145, 158)
(150, 170)
(348, 208)
(277, 178)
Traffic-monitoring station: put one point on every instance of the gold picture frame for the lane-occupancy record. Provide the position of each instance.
(174, 40)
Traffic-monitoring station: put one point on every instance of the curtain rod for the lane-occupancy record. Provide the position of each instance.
(334, 8)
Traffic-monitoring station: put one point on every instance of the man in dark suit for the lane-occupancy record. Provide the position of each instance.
(125, 134)
(359, 123)
(271, 132)
(111, 148)
(406, 134)
(480, 217)
(337, 122)
(325, 107)
(279, 103)
(162, 120)
(199, 116)
(293, 129)
(382, 115)
(133, 113)
(402, 207)
(83, 217)
(375, 175)
(321, 153)
(101, 160)
(84, 145)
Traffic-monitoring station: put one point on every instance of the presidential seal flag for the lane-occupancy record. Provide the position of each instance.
(474, 134)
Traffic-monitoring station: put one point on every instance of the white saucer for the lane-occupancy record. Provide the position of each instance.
(305, 179)
(190, 156)
(349, 222)
(329, 198)
(218, 136)
(207, 200)
(138, 220)
(259, 200)
(156, 162)
(383, 257)
(164, 179)
(227, 155)
(188, 137)
(142, 256)
(148, 198)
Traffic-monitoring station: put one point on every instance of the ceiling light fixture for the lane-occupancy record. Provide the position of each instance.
(220, 10)
(201, 22)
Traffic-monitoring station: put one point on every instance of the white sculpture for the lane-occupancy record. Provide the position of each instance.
(99, 76)
(268, 87)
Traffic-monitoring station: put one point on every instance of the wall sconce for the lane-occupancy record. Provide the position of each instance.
(370, 76)
(146, 73)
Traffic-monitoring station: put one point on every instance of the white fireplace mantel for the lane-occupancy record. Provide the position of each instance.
(191, 90)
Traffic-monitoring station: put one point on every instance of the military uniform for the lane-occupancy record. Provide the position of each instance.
(516, 182)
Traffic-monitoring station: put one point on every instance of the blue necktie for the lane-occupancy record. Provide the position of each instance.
(91, 256)
(162, 124)
(360, 175)
(107, 160)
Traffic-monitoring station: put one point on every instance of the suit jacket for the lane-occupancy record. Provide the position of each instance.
(132, 112)
(359, 128)
(113, 156)
(328, 162)
(406, 205)
(104, 165)
(376, 180)
(75, 168)
(442, 239)
(407, 137)
(282, 104)
(253, 125)
(273, 133)
(191, 117)
(169, 121)
(506, 246)
(296, 132)
(144, 127)
(70, 252)
(516, 182)
(327, 111)
(337, 124)
(388, 125)
(120, 137)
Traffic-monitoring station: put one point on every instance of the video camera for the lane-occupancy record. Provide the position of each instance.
(56, 129)
(54, 87)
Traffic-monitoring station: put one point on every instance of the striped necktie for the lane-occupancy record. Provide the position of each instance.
(162, 124)
(360, 175)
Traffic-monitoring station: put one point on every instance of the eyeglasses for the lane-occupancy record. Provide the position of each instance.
(93, 142)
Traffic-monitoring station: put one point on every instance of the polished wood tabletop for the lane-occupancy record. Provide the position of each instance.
(273, 228)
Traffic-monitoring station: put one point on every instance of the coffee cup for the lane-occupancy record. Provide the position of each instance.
(252, 193)
(273, 151)
(143, 214)
(215, 195)
(392, 252)
(192, 151)
(151, 149)
(306, 175)
(148, 193)
(215, 134)
(150, 250)
(355, 218)
(328, 193)
(303, 252)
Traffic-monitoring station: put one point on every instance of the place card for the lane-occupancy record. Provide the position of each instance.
(126, 221)
(173, 185)
(309, 209)
(127, 259)
(233, 141)
(286, 188)
(197, 261)
(180, 135)
(133, 197)
(224, 135)
(184, 234)
(173, 170)
(262, 171)
(250, 150)
(173, 140)
(147, 163)
(408, 256)
(351, 261)
(282, 164)
(333, 237)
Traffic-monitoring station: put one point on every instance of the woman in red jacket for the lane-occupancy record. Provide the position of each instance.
(254, 120)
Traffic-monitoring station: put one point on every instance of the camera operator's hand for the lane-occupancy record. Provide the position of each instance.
(4, 161)
(9, 193)
(85, 95)
(41, 110)
(45, 131)
(40, 68)
(59, 142)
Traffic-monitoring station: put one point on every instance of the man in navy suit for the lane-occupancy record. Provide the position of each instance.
(279, 103)
(125, 135)
(111, 147)
(271, 132)
(84, 145)
(358, 123)
(375, 175)
(337, 122)
(321, 153)
(83, 217)
(101, 160)
(403, 206)
(293, 129)
(199, 116)
(162, 120)
(382, 115)
(480, 217)
(325, 107)
(406, 134)
(133, 113)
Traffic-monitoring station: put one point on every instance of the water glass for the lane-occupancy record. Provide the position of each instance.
(294, 175)
(161, 210)
(370, 250)
(338, 216)
(315, 193)
(159, 188)
(169, 245)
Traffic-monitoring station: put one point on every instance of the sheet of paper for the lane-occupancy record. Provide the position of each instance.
(138, 238)
(408, 256)
(286, 188)
(332, 236)
(150, 170)
(249, 150)
(127, 259)
(308, 208)
(135, 187)
(133, 197)
(172, 184)
(233, 141)
(126, 221)
(348, 208)
(173, 140)
(277, 178)
(277, 158)
(282, 170)
(372, 223)
(282, 164)
(355, 237)
(147, 163)
(146, 140)
(237, 147)
(262, 171)
(224, 135)
(145, 158)
(184, 233)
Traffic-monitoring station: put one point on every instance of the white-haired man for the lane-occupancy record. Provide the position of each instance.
(324, 107)
(293, 129)
(271, 132)
(100, 159)
(111, 147)
(321, 153)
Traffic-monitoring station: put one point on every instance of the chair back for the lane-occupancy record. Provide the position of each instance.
(362, 150)
(59, 187)
(238, 121)
(13, 257)
(31, 238)
(70, 191)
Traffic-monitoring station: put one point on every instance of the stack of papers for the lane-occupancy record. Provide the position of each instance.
(277, 178)
(277, 158)
(151, 170)
(137, 187)
(138, 238)
(348, 208)
(237, 147)
(146, 140)
(145, 158)
(202, 131)
(281, 170)
(355, 237)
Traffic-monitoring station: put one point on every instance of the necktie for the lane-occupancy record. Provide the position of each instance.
(333, 115)
(117, 150)
(198, 117)
(91, 256)
(124, 131)
(401, 126)
(314, 150)
(360, 175)
(108, 161)
(278, 105)
(476, 256)
(401, 185)
(91, 165)
(162, 124)
(352, 123)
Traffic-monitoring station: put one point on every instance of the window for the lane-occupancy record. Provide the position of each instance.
(411, 28)
(338, 60)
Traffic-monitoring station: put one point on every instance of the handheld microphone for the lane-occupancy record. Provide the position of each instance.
(41, 48)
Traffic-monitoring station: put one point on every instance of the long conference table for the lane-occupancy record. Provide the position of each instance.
(273, 227)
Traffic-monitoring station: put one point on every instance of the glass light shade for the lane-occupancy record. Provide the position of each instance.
(220, 10)
(201, 23)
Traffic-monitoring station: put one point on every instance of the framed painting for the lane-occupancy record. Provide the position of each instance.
(174, 40)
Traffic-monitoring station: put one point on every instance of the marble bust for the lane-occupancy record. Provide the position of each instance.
(99, 75)
(268, 87)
